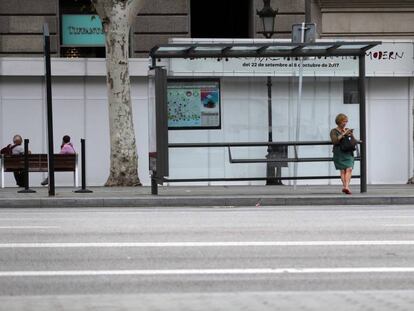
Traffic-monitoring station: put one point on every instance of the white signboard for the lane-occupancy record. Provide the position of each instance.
(391, 59)
(387, 59)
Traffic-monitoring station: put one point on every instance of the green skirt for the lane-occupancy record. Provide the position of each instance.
(342, 160)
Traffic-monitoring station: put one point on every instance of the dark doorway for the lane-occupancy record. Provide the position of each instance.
(220, 18)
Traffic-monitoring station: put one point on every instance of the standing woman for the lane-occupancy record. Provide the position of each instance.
(343, 160)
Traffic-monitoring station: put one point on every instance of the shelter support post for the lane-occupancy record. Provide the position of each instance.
(362, 122)
(161, 123)
(48, 84)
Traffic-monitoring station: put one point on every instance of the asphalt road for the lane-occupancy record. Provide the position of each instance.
(262, 258)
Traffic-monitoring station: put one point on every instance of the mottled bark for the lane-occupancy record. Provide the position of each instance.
(117, 16)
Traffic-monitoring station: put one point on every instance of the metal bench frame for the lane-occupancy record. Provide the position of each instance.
(229, 145)
(38, 163)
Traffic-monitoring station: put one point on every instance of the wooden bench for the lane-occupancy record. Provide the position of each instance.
(38, 163)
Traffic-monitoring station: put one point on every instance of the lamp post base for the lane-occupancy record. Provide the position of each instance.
(83, 191)
(274, 169)
(26, 191)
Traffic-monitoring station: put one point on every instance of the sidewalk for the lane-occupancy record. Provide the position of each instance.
(195, 196)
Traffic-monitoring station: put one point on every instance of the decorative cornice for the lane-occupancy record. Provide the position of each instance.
(366, 4)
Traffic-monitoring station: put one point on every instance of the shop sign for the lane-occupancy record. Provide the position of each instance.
(82, 30)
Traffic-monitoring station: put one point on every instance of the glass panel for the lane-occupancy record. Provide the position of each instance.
(245, 48)
(244, 119)
(209, 48)
(352, 47)
(268, 24)
(281, 48)
(316, 47)
(173, 48)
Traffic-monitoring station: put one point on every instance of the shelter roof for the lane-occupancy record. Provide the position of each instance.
(262, 49)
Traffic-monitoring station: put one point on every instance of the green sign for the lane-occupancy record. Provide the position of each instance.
(82, 30)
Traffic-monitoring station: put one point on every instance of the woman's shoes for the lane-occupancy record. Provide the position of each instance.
(346, 191)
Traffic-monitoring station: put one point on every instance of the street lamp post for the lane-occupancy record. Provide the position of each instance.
(268, 16)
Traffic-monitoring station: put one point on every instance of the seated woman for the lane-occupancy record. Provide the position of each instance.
(65, 148)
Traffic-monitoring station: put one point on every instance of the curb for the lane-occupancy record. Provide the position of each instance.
(197, 201)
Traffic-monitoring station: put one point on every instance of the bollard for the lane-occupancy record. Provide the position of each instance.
(83, 156)
(26, 169)
(154, 186)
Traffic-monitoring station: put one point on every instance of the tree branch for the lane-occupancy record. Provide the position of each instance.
(135, 7)
(103, 8)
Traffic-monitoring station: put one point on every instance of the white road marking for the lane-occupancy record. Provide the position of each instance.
(207, 271)
(207, 244)
(399, 225)
(29, 227)
(396, 216)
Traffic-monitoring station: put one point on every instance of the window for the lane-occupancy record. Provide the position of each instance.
(351, 94)
(220, 18)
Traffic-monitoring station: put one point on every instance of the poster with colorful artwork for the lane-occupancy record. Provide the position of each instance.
(193, 104)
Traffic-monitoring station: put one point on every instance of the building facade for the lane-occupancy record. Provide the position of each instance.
(79, 90)
(21, 21)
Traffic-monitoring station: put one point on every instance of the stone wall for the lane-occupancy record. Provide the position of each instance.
(21, 22)
(21, 26)
(158, 21)
(367, 19)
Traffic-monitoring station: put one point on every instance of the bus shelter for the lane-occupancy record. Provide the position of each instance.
(159, 148)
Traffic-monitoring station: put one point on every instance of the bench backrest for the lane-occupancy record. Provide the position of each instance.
(38, 162)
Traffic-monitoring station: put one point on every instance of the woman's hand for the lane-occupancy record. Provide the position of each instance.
(348, 132)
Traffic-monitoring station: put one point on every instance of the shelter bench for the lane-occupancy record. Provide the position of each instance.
(38, 163)
(279, 161)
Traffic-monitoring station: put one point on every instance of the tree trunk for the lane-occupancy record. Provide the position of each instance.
(116, 17)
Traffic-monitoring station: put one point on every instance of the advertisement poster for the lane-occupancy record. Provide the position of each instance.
(193, 104)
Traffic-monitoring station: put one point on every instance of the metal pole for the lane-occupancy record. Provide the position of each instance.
(48, 80)
(308, 11)
(26, 169)
(83, 157)
(154, 186)
(299, 105)
(269, 109)
(271, 150)
(270, 168)
(362, 122)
